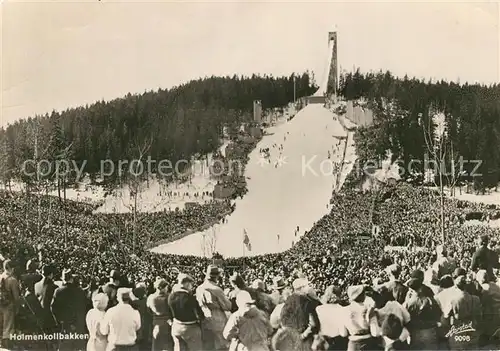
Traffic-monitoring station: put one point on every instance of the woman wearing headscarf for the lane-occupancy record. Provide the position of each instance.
(97, 341)
(360, 322)
(248, 326)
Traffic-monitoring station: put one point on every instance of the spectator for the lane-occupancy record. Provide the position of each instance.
(275, 318)
(483, 258)
(330, 315)
(299, 312)
(395, 287)
(121, 323)
(360, 324)
(187, 315)
(264, 301)
(94, 318)
(214, 305)
(44, 290)
(248, 326)
(9, 301)
(425, 315)
(162, 317)
(391, 330)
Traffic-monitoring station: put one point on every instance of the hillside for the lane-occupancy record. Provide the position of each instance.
(405, 111)
(173, 125)
(288, 188)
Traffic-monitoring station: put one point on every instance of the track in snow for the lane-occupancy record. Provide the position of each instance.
(283, 196)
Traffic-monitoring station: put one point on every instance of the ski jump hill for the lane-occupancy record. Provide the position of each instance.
(289, 187)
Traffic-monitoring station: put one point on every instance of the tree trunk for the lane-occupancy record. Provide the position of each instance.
(59, 188)
(135, 220)
(442, 206)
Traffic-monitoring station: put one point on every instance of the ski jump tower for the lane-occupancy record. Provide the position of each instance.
(329, 83)
(333, 72)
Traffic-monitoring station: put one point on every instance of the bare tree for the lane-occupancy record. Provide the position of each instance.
(209, 241)
(34, 133)
(437, 144)
(135, 178)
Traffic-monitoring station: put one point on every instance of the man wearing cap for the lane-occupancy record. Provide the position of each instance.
(140, 304)
(44, 291)
(392, 328)
(214, 305)
(162, 316)
(121, 323)
(116, 279)
(299, 312)
(187, 315)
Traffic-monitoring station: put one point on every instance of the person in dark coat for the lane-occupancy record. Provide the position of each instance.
(31, 277)
(44, 291)
(391, 330)
(263, 301)
(140, 304)
(484, 258)
(299, 313)
(394, 286)
(162, 317)
(69, 309)
(110, 290)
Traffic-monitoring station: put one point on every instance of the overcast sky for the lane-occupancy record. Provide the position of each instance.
(63, 54)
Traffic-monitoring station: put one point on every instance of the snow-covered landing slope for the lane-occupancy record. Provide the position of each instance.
(292, 188)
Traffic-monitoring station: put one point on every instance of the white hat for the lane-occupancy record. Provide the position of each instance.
(243, 299)
(125, 294)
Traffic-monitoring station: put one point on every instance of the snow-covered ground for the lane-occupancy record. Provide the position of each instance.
(490, 197)
(159, 196)
(291, 188)
(84, 192)
(153, 195)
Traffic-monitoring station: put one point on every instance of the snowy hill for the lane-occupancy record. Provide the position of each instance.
(289, 187)
(153, 196)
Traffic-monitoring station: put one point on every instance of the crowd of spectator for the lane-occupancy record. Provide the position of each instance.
(95, 256)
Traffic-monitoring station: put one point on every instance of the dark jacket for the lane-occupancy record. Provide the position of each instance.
(299, 313)
(184, 306)
(30, 279)
(484, 258)
(398, 290)
(69, 308)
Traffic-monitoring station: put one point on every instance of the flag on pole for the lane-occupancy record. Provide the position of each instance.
(246, 240)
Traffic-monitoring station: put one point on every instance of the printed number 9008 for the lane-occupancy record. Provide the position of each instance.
(462, 338)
